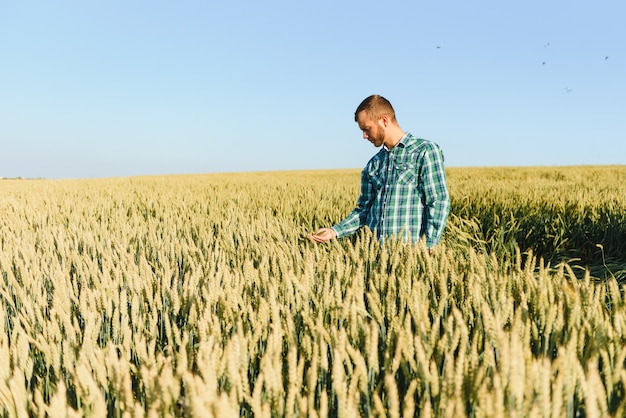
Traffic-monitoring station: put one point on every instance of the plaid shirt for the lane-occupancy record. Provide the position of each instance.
(403, 193)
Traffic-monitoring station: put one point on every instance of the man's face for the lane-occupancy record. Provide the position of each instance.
(373, 130)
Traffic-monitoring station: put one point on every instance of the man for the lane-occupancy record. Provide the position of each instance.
(403, 187)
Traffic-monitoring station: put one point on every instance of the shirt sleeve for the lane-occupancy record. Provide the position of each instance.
(358, 217)
(436, 196)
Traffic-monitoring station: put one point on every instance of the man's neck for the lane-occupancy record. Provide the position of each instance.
(393, 137)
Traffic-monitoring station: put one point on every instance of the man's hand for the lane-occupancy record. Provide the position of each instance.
(322, 235)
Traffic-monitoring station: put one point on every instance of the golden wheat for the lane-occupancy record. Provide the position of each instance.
(200, 296)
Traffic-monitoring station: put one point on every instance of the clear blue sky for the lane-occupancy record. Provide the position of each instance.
(134, 87)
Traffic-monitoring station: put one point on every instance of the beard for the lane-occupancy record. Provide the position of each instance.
(378, 137)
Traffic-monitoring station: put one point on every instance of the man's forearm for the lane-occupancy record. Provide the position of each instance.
(349, 225)
(436, 222)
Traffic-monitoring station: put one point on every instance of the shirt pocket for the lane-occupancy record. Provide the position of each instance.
(376, 179)
(405, 172)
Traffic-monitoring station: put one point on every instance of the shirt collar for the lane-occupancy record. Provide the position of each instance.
(401, 143)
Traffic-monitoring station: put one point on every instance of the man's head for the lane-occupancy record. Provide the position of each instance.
(377, 120)
(374, 107)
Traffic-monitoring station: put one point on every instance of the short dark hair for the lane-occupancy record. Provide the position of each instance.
(375, 106)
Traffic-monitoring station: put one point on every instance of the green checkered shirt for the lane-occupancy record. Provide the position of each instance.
(403, 193)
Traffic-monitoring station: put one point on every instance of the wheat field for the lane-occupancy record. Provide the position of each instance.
(200, 296)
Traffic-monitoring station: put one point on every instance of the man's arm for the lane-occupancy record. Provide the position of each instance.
(436, 196)
(358, 217)
(355, 219)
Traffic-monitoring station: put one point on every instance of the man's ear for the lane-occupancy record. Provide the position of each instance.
(384, 119)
